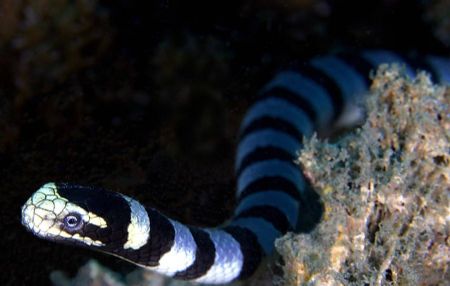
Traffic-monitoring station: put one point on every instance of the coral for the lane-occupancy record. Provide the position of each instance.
(44, 42)
(385, 193)
(90, 274)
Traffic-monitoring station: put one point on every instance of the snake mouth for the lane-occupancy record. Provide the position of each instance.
(37, 220)
(40, 212)
(28, 219)
(27, 215)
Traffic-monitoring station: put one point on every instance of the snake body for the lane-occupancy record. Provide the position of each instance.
(298, 101)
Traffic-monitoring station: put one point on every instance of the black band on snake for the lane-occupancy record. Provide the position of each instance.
(298, 101)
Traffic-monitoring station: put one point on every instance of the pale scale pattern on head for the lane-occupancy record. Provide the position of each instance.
(44, 212)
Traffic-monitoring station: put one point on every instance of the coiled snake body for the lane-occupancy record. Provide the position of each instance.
(297, 102)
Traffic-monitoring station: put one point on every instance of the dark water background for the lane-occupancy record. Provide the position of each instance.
(146, 98)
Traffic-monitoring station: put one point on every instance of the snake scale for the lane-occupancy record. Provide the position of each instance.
(300, 100)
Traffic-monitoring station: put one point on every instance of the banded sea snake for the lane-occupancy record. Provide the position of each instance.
(295, 103)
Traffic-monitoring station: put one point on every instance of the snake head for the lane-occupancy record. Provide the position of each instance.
(58, 213)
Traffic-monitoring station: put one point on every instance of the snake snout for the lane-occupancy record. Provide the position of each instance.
(27, 216)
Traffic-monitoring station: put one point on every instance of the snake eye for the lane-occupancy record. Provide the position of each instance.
(73, 221)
